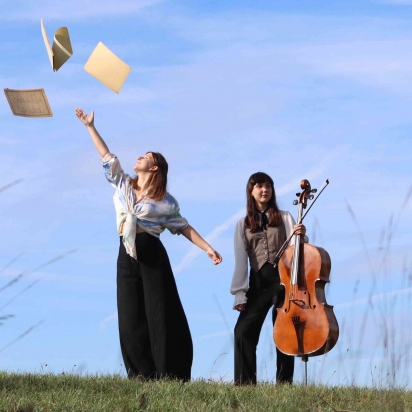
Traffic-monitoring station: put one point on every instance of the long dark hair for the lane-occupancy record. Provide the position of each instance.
(252, 219)
(158, 183)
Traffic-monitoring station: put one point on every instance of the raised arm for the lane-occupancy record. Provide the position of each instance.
(190, 233)
(88, 121)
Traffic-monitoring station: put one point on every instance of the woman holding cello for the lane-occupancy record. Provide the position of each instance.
(257, 238)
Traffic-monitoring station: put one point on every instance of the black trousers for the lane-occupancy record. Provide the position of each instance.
(264, 292)
(154, 334)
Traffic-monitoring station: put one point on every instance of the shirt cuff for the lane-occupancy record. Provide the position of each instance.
(240, 298)
(178, 231)
(108, 156)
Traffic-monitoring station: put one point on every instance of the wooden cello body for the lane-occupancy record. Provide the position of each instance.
(305, 324)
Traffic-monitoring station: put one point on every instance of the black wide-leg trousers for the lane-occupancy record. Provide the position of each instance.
(264, 292)
(155, 339)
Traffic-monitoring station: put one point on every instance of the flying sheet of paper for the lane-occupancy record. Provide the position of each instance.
(28, 103)
(62, 48)
(106, 67)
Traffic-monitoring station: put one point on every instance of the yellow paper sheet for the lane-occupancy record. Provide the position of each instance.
(62, 48)
(28, 103)
(106, 67)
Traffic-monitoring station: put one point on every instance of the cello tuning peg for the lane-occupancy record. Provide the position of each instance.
(295, 202)
(311, 197)
(314, 190)
(297, 194)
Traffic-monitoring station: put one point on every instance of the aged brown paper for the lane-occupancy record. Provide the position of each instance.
(106, 67)
(28, 103)
(62, 48)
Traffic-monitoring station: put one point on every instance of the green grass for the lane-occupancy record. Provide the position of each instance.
(47, 392)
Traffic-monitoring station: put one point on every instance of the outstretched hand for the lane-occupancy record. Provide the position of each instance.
(215, 256)
(84, 117)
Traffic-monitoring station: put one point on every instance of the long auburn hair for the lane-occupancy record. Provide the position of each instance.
(158, 184)
(252, 219)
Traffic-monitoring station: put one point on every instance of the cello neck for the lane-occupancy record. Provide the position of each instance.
(296, 252)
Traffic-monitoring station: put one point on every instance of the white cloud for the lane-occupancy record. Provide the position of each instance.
(374, 298)
(107, 320)
(379, 63)
(194, 251)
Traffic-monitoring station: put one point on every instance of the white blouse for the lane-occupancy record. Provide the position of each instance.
(150, 215)
(240, 279)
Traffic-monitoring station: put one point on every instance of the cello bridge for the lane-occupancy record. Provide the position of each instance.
(297, 301)
(300, 302)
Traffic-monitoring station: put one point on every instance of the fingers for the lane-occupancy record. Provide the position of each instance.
(299, 229)
(84, 118)
(241, 307)
(216, 257)
(80, 114)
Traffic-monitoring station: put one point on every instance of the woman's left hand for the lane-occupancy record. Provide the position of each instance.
(299, 230)
(215, 256)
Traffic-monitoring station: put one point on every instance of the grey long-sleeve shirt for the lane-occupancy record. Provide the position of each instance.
(240, 279)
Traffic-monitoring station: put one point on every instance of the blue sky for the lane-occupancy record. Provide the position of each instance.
(223, 89)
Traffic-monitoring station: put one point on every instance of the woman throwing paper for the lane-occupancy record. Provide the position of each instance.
(154, 334)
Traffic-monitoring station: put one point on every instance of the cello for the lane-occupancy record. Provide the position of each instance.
(305, 324)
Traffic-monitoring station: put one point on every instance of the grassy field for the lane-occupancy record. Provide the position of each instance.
(39, 392)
